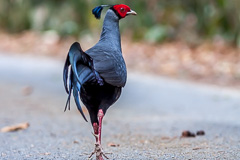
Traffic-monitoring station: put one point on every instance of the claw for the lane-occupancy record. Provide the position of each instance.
(91, 155)
(99, 152)
(105, 155)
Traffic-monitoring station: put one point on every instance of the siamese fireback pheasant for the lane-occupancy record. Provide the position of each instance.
(99, 73)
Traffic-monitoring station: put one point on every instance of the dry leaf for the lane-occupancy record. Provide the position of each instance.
(113, 145)
(27, 90)
(75, 142)
(197, 148)
(16, 127)
(165, 138)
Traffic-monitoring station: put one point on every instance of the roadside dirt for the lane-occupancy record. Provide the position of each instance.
(211, 62)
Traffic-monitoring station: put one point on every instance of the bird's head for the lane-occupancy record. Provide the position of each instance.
(121, 10)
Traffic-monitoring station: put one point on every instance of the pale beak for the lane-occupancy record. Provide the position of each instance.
(131, 13)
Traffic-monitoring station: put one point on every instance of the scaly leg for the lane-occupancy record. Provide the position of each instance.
(100, 117)
(95, 129)
(97, 133)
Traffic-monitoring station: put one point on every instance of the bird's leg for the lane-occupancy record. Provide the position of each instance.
(100, 117)
(98, 148)
(95, 129)
(97, 133)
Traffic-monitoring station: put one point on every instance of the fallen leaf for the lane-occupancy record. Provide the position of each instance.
(197, 148)
(16, 127)
(27, 90)
(113, 145)
(165, 138)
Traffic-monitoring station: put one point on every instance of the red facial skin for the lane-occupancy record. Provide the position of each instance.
(122, 9)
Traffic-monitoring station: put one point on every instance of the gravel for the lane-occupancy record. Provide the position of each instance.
(146, 123)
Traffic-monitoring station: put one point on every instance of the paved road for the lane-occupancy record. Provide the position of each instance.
(146, 122)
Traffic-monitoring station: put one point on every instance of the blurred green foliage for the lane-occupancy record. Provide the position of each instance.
(157, 21)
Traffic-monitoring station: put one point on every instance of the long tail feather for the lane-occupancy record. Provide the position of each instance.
(74, 68)
(67, 103)
(81, 71)
(75, 55)
(76, 98)
(70, 92)
(65, 73)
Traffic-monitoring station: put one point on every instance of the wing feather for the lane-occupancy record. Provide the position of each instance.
(81, 70)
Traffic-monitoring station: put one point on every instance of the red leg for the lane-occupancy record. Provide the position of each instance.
(100, 117)
(97, 133)
(95, 129)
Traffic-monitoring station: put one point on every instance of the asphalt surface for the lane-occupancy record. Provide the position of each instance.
(146, 123)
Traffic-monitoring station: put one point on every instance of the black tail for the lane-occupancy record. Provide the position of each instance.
(70, 91)
(74, 56)
(81, 70)
(65, 73)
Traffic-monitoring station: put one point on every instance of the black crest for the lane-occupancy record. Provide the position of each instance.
(98, 10)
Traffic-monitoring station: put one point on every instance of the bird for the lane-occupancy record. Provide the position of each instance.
(96, 76)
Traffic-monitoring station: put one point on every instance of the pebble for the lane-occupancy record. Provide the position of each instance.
(188, 134)
(200, 133)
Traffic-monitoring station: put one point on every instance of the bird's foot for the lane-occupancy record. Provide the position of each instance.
(99, 152)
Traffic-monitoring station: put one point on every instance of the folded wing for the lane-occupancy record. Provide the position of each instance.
(78, 69)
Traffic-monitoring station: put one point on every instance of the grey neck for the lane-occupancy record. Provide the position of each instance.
(110, 31)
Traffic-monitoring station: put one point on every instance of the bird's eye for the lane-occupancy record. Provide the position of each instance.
(122, 10)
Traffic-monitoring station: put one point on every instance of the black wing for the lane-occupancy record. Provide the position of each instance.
(81, 70)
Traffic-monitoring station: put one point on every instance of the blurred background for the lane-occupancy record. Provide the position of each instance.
(196, 40)
(186, 40)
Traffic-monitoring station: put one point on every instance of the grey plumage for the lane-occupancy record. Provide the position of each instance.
(107, 53)
(99, 71)
(97, 75)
